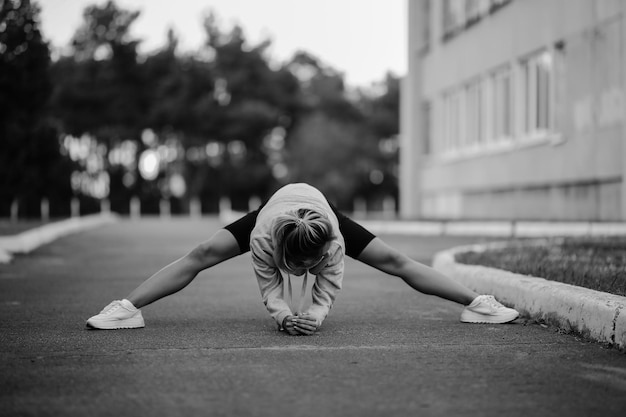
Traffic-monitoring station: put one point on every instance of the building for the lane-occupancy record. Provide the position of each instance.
(514, 109)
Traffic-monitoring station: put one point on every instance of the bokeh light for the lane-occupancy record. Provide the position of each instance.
(177, 185)
(149, 164)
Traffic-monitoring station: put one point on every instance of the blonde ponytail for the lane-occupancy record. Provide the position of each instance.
(300, 235)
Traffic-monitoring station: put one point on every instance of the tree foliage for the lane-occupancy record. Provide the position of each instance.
(335, 144)
(99, 89)
(225, 118)
(30, 163)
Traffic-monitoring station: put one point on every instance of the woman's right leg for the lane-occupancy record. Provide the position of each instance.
(227, 243)
(180, 273)
(125, 314)
(231, 241)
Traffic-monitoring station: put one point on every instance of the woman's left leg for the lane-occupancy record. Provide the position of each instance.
(364, 246)
(422, 278)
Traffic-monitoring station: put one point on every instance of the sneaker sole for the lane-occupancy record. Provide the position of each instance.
(470, 317)
(114, 325)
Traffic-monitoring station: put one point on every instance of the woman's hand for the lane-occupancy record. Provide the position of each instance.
(305, 324)
(289, 326)
(300, 325)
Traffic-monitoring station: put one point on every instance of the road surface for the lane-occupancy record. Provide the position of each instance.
(212, 349)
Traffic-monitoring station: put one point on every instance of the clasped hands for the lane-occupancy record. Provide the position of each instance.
(296, 325)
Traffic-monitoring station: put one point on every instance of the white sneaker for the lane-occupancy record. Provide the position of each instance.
(117, 315)
(485, 309)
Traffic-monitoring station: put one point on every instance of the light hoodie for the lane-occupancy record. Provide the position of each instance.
(328, 273)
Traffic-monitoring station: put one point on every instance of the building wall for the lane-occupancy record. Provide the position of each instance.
(569, 165)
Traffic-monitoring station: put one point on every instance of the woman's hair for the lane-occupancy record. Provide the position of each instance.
(300, 235)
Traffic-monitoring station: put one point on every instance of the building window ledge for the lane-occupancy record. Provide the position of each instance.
(541, 138)
(502, 146)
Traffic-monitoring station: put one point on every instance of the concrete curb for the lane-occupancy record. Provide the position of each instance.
(494, 228)
(30, 240)
(596, 315)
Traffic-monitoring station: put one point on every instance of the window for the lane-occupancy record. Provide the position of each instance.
(473, 9)
(484, 6)
(426, 24)
(496, 4)
(448, 122)
(453, 121)
(506, 108)
(460, 14)
(453, 17)
(478, 116)
(464, 118)
(538, 74)
(475, 113)
(426, 126)
(502, 114)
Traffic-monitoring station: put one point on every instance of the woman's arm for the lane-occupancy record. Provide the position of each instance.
(269, 279)
(327, 284)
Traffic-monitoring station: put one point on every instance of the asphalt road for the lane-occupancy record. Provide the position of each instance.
(213, 350)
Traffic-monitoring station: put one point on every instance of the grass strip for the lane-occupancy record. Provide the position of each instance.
(597, 263)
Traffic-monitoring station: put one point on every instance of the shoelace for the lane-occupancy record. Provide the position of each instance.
(302, 291)
(491, 301)
(114, 305)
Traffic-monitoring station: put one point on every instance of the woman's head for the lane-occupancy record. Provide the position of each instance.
(301, 238)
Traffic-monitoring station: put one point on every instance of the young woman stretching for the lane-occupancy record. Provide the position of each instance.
(296, 232)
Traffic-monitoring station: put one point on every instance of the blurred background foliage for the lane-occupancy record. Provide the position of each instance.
(102, 122)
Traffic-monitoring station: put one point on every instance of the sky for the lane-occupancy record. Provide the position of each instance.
(364, 39)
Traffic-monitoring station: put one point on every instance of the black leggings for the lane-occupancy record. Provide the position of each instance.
(356, 236)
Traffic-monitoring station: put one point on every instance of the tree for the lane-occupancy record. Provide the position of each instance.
(331, 145)
(31, 166)
(247, 101)
(105, 33)
(382, 113)
(100, 94)
(100, 89)
(331, 154)
(383, 109)
(239, 125)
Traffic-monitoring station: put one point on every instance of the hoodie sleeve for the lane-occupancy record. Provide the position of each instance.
(269, 279)
(327, 284)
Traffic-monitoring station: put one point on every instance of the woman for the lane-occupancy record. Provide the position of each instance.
(296, 232)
